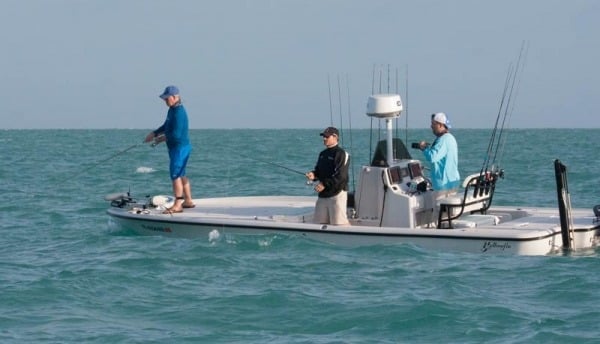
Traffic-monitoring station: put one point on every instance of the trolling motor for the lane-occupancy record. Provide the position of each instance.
(597, 213)
(119, 199)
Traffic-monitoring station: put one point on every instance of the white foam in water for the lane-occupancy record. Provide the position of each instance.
(214, 235)
(143, 169)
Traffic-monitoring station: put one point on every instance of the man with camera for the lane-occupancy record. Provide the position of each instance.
(442, 154)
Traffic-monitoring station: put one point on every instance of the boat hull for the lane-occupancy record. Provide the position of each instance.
(538, 233)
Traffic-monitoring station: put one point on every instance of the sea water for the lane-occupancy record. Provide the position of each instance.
(68, 276)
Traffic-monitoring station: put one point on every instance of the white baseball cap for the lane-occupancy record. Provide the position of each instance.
(441, 117)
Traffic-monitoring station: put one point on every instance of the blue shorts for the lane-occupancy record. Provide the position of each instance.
(178, 161)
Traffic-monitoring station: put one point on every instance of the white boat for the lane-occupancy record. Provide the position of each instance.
(392, 204)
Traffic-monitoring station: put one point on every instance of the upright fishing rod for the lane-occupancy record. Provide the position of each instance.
(490, 148)
(406, 107)
(371, 128)
(330, 103)
(350, 128)
(340, 103)
(510, 104)
(496, 144)
(341, 125)
(397, 91)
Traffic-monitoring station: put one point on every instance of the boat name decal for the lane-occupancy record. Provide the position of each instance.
(157, 229)
(494, 245)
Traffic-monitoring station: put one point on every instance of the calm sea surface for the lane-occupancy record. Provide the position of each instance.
(66, 276)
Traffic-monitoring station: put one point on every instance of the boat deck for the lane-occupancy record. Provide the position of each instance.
(299, 209)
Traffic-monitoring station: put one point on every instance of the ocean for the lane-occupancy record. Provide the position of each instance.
(67, 276)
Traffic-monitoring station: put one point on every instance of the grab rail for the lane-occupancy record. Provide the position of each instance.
(477, 197)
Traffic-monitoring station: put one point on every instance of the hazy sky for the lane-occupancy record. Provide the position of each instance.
(266, 64)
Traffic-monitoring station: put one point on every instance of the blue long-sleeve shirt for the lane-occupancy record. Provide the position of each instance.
(175, 127)
(443, 156)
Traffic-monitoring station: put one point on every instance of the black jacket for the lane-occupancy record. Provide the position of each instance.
(332, 171)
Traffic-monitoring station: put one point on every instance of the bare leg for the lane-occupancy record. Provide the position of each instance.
(178, 192)
(187, 190)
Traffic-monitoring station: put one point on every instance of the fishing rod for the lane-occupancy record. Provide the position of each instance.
(277, 165)
(510, 104)
(157, 140)
(330, 103)
(109, 158)
(350, 128)
(504, 112)
(493, 136)
(371, 118)
(406, 107)
(340, 103)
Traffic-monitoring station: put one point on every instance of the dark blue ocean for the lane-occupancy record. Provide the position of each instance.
(67, 276)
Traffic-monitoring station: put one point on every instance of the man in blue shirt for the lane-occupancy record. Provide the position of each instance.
(443, 156)
(175, 132)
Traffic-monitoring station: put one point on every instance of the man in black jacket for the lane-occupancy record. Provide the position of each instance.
(332, 173)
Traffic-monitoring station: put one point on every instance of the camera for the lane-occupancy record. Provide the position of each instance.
(417, 145)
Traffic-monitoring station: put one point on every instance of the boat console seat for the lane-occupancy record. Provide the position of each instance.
(476, 198)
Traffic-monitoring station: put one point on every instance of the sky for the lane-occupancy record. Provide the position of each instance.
(101, 64)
